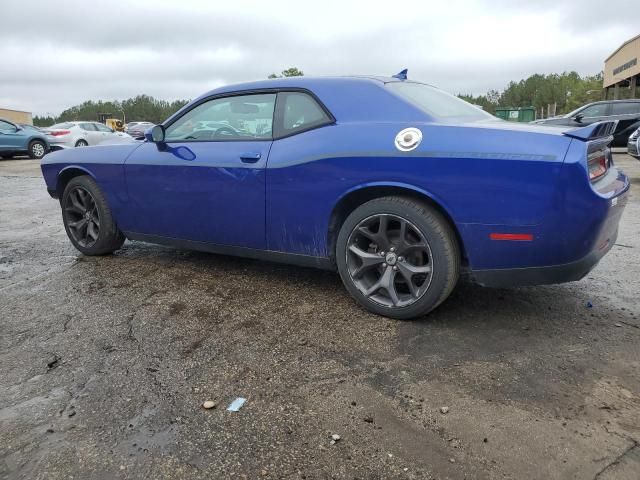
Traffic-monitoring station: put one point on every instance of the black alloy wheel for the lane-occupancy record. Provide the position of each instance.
(82, 216)
(398, 257)
(87, 218)
(389, 260)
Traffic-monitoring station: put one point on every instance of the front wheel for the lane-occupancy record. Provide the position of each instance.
(398, 257)
(87, 218)
(37, 149)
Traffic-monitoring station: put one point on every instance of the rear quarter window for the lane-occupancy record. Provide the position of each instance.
(437, 103)
(298, 112)
(625, 108)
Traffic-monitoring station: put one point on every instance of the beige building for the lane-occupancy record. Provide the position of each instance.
(16, 116)
(622, 71)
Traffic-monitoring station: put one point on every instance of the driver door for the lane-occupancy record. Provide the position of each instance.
(207, 181)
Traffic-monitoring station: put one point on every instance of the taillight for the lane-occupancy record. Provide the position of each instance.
(59, 133)
(598, 164)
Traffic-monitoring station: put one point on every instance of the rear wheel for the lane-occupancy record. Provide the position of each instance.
(37, 149)
(82, 143)
(398, 257)
(88, 219)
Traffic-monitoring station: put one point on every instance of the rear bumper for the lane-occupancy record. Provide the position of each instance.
(568, 272)
(602, 242)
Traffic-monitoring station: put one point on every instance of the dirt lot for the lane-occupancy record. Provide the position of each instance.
(105, 363)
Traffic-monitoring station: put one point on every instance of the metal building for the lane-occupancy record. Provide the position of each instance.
(622, 71)
(17, 116)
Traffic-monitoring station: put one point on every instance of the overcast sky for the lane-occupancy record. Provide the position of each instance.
(56, 54)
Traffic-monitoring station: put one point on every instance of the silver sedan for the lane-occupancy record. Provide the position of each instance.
(80, 134)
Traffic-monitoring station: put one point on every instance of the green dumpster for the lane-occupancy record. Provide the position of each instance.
(519, 114)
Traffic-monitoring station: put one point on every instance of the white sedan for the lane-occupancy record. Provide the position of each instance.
(80, 134)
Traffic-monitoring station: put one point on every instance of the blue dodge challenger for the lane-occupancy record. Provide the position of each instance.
(399, 186)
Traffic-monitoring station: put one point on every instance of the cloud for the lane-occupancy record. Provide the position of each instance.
(117, 49)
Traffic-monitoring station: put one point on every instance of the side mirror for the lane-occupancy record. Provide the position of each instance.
(155, 134)
(578, 118)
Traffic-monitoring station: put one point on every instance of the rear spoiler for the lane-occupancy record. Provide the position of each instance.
(593, 131)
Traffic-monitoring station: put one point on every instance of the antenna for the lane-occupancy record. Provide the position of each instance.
(402, 75)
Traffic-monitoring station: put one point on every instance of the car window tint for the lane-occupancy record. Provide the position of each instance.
(102, 128)
(625, 108)
(243, 117)
(300, 112)
(88, 127)
(598, 110)
(6, 126)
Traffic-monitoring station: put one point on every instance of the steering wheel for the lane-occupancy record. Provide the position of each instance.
(225, 131)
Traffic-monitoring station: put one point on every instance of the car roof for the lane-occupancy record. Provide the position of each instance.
(302, 82)
(632, 100)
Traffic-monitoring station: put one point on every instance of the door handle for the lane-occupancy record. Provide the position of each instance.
(250, 157)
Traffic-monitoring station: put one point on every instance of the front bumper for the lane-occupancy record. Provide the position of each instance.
(633, 148)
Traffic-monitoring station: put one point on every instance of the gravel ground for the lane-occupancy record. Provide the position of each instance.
(105, 363)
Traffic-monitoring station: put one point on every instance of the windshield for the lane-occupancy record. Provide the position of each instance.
(437, 103)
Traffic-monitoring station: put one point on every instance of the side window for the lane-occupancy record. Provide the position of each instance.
(7, 127)
(599, 110)
(88, 127)
(244, 117)
(625, 108)
(299, 111)
(102, 128)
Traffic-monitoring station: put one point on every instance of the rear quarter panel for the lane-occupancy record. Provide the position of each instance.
(483, 177)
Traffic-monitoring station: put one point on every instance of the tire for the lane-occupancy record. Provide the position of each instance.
(82, 143)
(419, 260)
(87, 218)
(37, 149)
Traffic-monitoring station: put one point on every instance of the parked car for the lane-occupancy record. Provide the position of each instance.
(633, 145)
(626, 112)
(397, 185)
(19, 139)
(79, 134)
(137, 130)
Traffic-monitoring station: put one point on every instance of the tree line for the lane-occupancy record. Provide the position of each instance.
(139, 108)
(565, 92)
